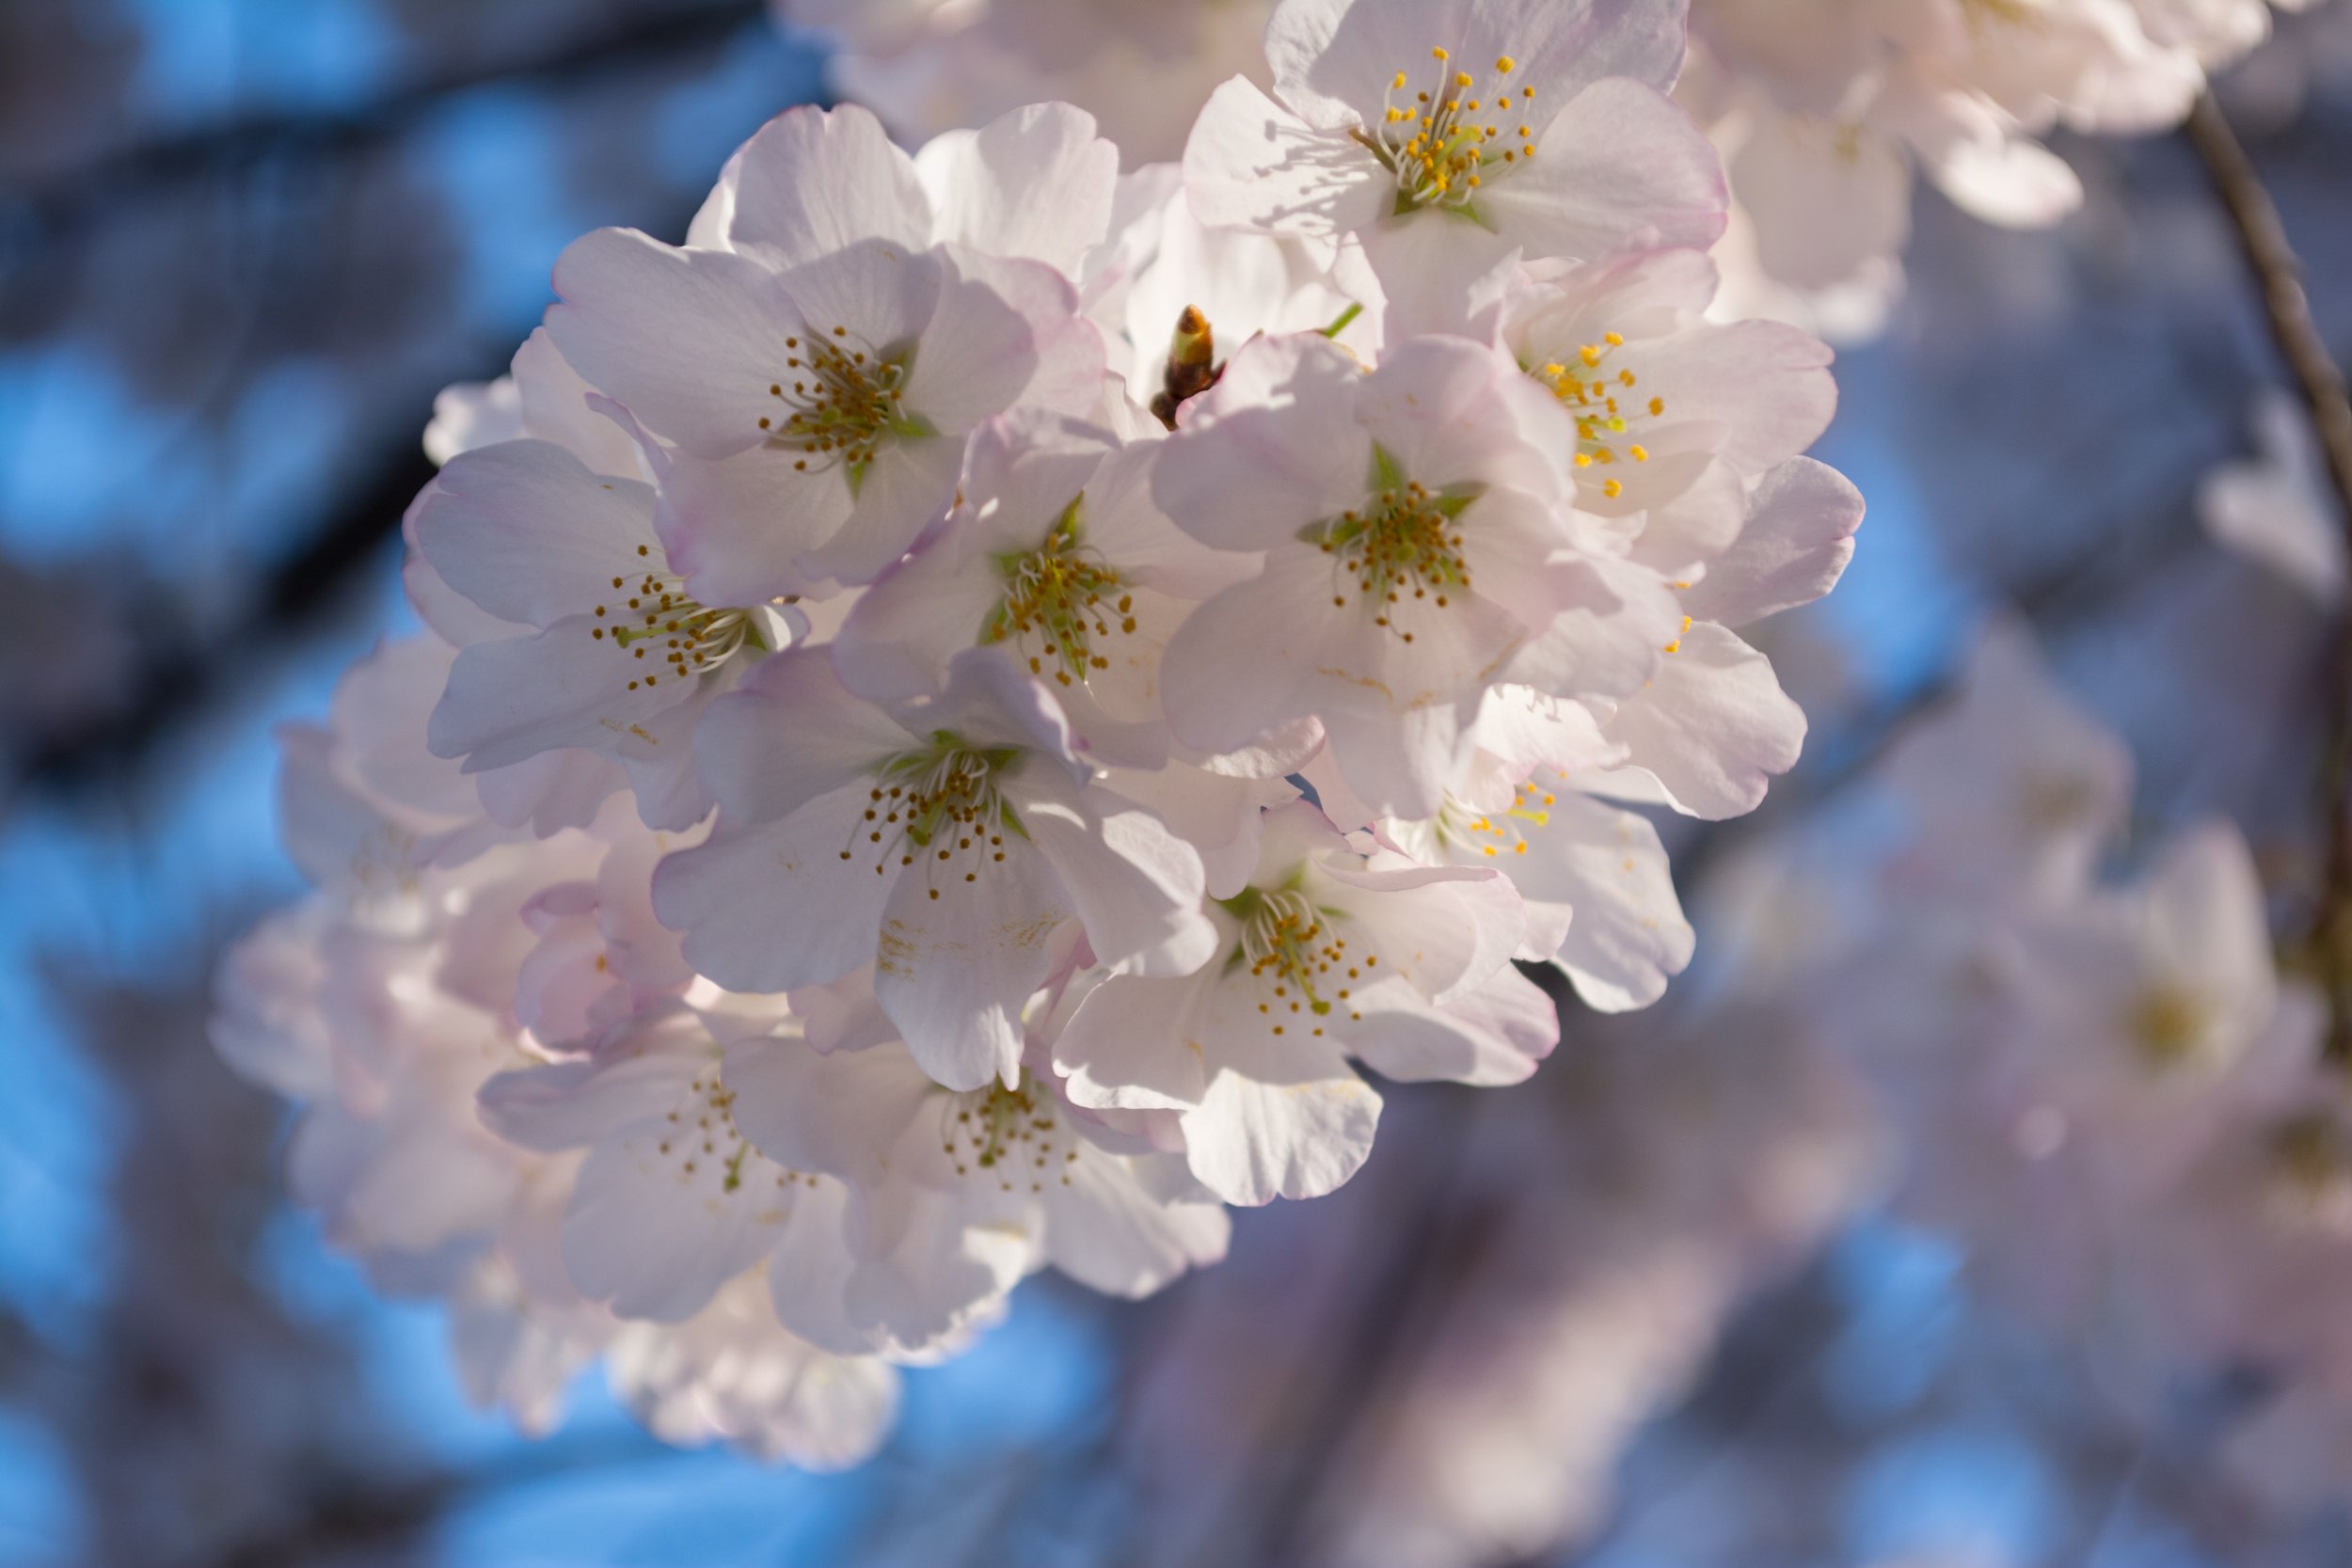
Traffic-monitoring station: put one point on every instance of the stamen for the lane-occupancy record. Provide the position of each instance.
(939, 804)
(843, 399)
(1059, 598)
(1406, 542)
(660, 613)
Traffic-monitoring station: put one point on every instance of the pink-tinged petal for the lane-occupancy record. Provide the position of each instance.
(992, 701)
(1454, 412)
(1611, 644)
(559, 406)
(1334, 60)
(655, 1241)
(1442, 272)
(508, 702)
(1493, 1037)
(1628, 937)
(1005, 332)
(1037, 184)
(1622, 168)
(739, 529)
(1024, 471)
(814, 182)
(453, 618)
(1276, 446)
(874, 297)
(1712, 730)
(1251, 1142)
(1216, 813)
(1107, 1231)
(552, 791)
(1239, 666)
(1693, 507)
(688, 341)
(671, 795)
(574, 1104)
(1756, 393)
(773, 908)
(1524, 731)
(896, 644)
(1133, 1045)
(937, 1273)
(909, 487)
(1799, 536)
(529, 535)
(791, 733)
(1135, 886)
(1252, 164)
(1980, 159)
(838, 1114)
(808, 1276)
(1444, 929)
(959, 960)
(1827, 200)
(1400, 763)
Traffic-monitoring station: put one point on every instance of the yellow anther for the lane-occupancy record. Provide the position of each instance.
(1464, 80)
(1590, 355)
(1506, 65)
(1639, 454)
(1613, 489)
(1397, 86)
(1614, 339)
(1657, 407)
(1440, 54)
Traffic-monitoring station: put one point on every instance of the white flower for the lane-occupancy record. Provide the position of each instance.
(2277, 509)
(1446, 136)
(819, 415)
(732, 1373)
(1141, 67)
(2013, 791)
(595, 643)
(946, 842)
(1325, 954)
(1057, 552)
(1419, 553)
(1006, 1160)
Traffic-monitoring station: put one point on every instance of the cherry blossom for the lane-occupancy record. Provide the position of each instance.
(946, 842)
(1328, 954)
(1446, 137)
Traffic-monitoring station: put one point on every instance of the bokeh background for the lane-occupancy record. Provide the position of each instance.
(241, 245)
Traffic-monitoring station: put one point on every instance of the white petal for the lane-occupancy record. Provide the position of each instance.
(1250, 1143)
(1796, 542)
(526, 532)
(1713, 729)
(814, 182)
(1037, 184)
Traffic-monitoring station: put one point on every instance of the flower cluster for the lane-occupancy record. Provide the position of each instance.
(1824, 109)
(960, 708)
(1140, 66)
(2106, 1091)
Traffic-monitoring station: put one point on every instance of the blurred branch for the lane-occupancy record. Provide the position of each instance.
(2262, 236)
(302, 593)
(1280, 1511)
(60, 202)
(298, 597)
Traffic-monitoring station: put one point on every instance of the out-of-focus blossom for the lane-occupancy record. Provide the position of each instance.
(2276, 509)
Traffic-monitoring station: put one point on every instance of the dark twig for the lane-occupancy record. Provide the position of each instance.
(2263, 237)
(72, 196)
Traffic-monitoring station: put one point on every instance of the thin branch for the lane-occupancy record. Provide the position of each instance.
(67, 199)
(2263, 237)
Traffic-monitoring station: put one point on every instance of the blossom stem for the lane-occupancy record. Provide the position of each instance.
(2263, 237)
